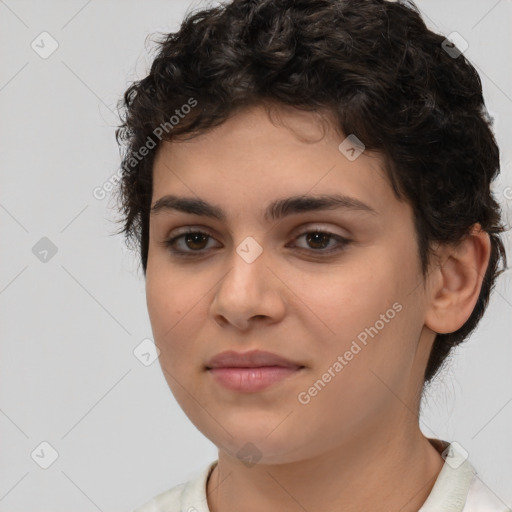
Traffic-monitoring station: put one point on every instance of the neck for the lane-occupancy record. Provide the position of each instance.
(380, 469)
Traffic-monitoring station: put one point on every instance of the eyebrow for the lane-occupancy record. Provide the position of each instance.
(276, 210)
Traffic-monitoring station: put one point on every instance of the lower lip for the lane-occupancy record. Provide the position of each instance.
(250, 380)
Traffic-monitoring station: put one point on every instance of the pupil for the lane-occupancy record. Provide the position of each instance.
(194, 237)
(322, 236)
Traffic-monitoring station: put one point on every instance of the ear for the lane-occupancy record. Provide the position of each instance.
(457, 281)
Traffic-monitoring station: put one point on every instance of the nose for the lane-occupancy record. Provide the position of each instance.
(248, 293)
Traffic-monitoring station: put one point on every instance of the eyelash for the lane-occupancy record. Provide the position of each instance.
(343, 242)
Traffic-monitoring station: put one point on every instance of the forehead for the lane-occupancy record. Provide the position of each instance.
(253, 158)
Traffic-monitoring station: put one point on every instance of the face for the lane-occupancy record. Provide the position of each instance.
(336, 291)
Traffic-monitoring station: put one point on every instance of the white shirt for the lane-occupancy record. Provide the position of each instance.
(456, 489)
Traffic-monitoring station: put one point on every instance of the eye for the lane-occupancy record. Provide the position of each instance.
(192, 238)
(319, 240)
(195, 242)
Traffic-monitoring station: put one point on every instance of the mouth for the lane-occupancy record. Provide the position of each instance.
(252, 371)
(249, 359)
(253, 379)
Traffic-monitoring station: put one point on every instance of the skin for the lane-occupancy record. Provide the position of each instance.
(361, 431)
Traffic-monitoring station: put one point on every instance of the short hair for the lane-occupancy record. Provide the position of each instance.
(374, 65)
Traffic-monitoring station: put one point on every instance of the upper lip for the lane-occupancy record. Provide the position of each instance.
(251, 359)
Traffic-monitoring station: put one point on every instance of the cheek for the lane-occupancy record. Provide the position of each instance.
(166, 306)
(363, 314)
(342, 304)
(169, 296)
(175, 305)
(172, 315)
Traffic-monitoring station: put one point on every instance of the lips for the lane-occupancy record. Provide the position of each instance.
(250, 359)
(252, 371)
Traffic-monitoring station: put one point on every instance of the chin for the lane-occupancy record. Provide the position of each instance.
(251, 446)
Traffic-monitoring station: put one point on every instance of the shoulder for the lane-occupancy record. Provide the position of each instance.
(186, 497)
(458, 487)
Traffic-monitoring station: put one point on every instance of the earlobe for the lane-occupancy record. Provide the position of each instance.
(459, 280)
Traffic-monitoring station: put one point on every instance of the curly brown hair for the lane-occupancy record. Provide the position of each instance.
(374, 65)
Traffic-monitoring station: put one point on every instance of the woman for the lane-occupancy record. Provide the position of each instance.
(308, 185)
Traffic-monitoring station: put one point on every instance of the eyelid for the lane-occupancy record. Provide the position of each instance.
(302, 229)
(189, 229)
(340, 246)
(315, 227)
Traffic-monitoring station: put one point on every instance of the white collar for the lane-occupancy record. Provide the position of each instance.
(456, 489)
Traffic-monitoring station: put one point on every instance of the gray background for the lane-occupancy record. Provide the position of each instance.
(68, 374)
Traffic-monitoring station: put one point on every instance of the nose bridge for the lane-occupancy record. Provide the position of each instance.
(244, 290)
(247, 266)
